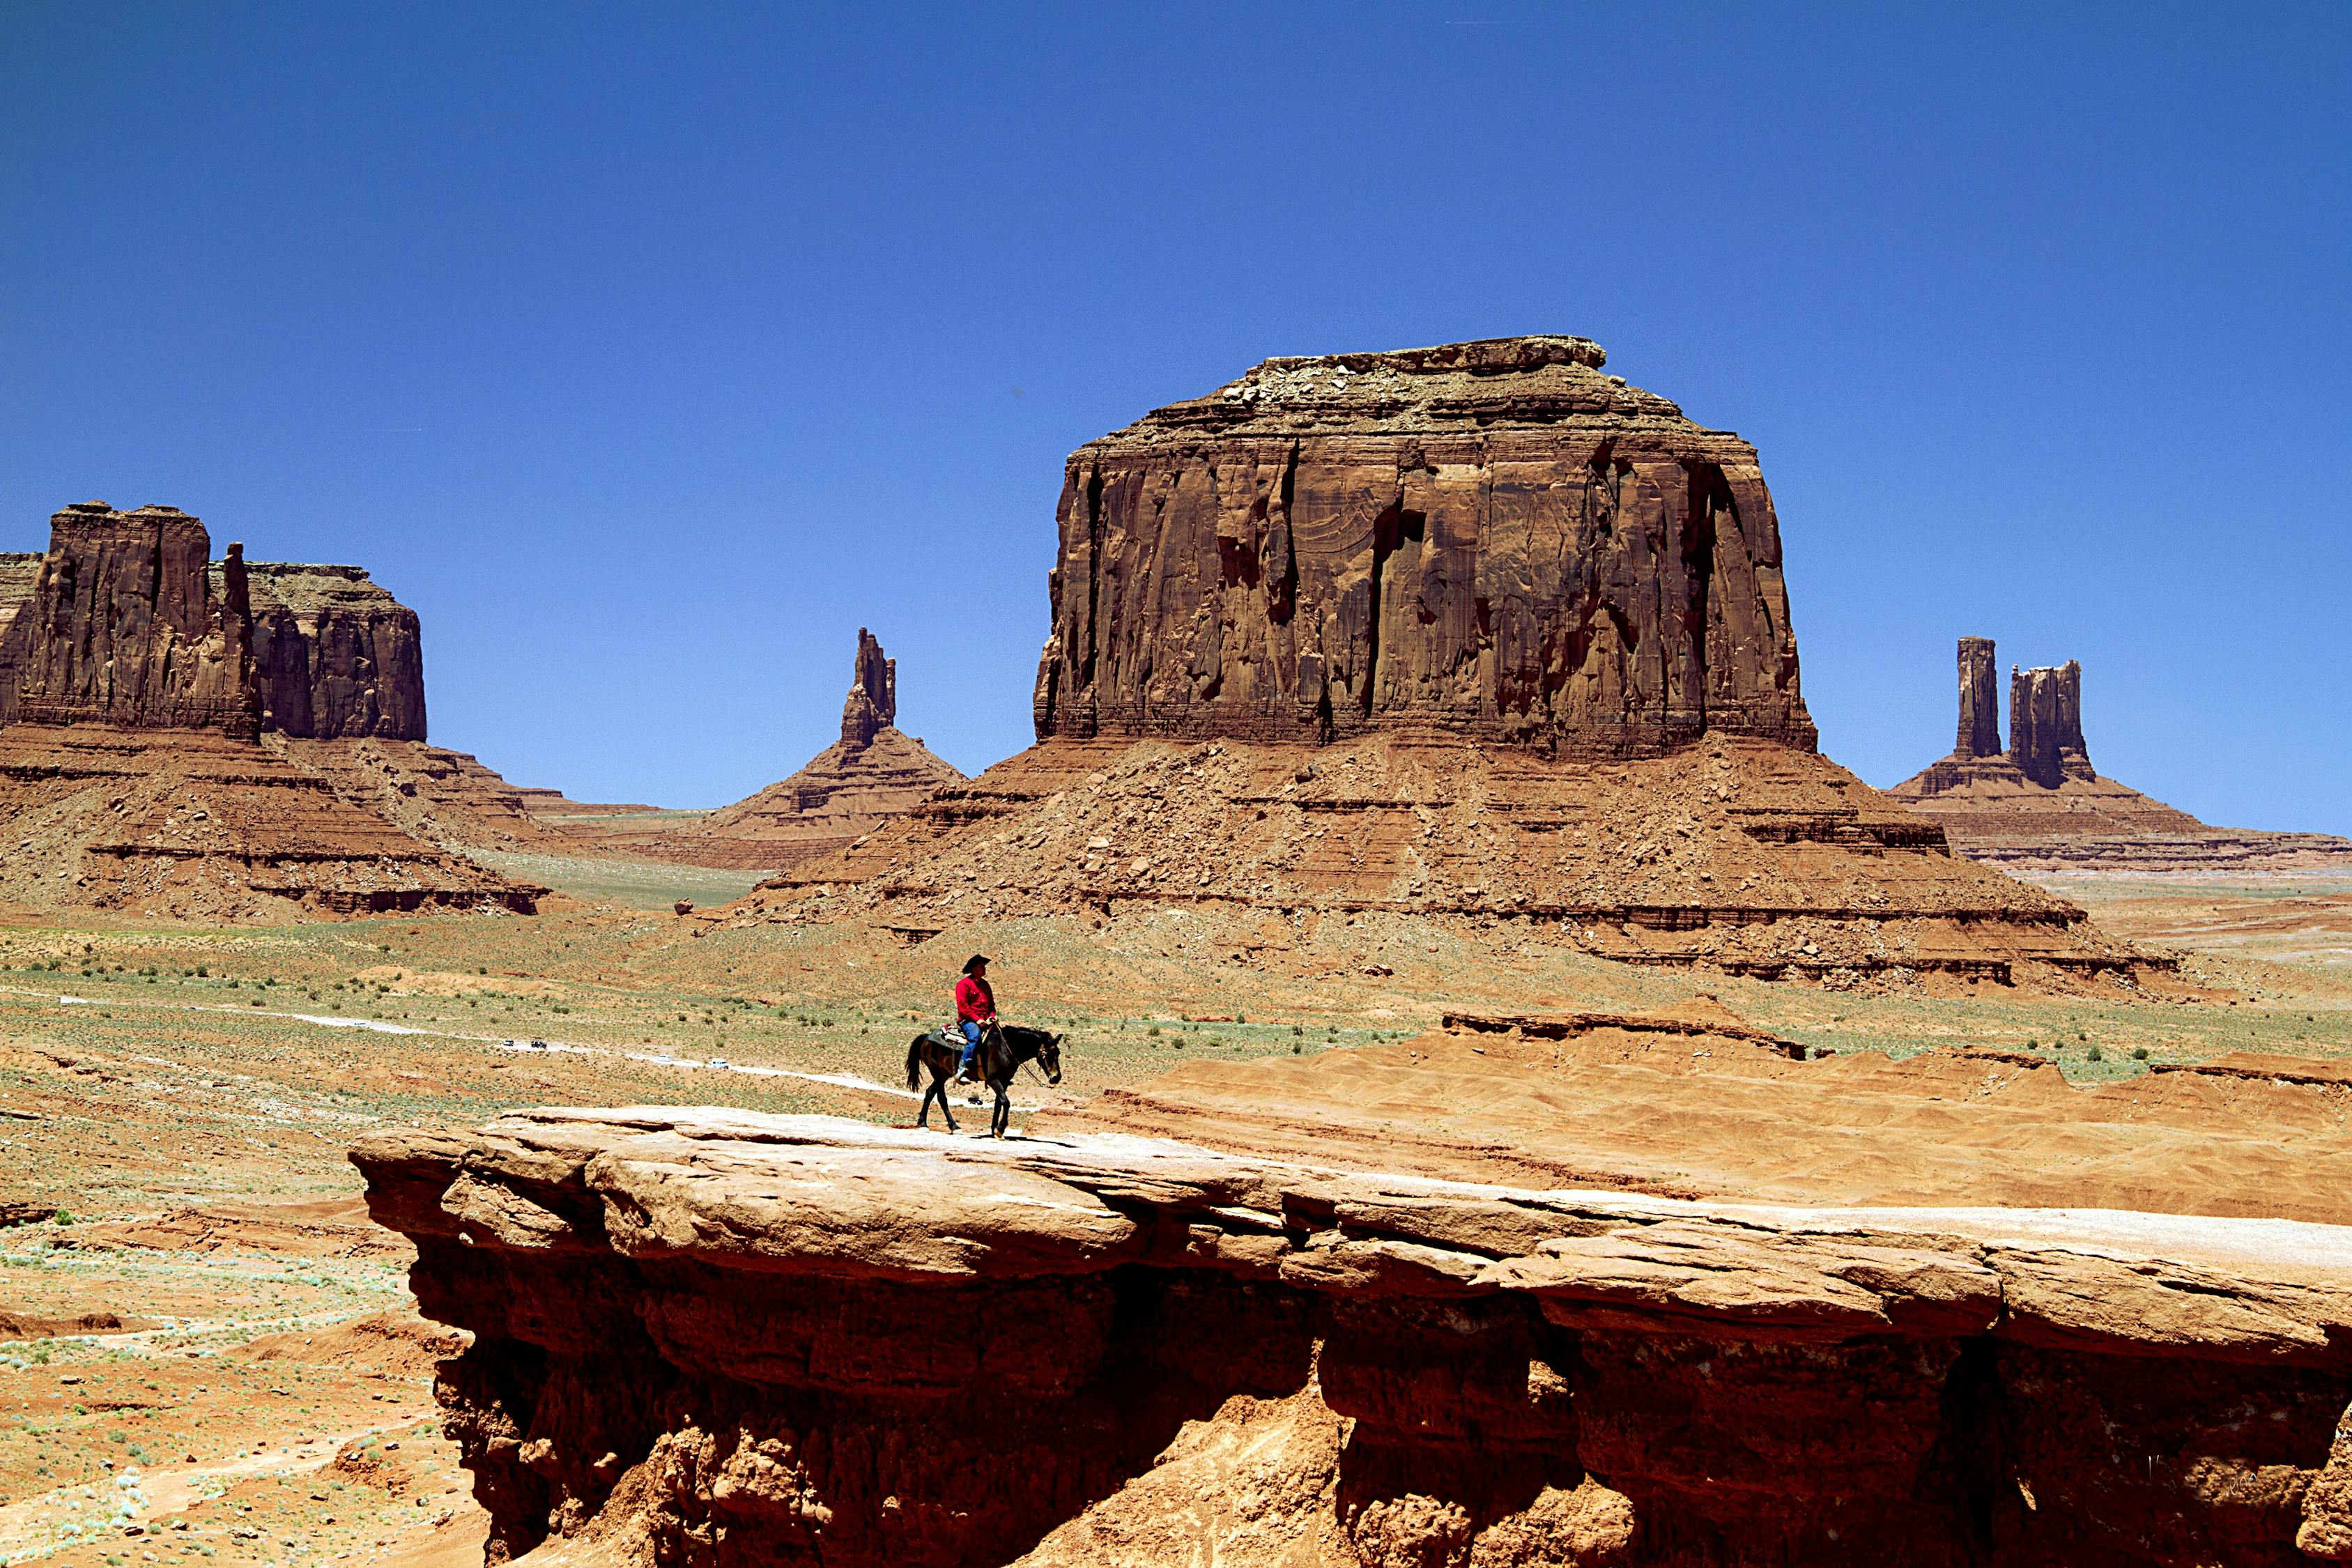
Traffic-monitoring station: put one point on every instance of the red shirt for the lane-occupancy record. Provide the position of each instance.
(974, 1000)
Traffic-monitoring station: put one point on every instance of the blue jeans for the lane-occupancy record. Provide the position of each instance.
(971, 1045)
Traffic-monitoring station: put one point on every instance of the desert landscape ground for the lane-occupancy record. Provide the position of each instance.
(179, 1102)
(1521, 1102)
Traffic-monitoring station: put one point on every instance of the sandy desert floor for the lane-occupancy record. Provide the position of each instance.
(209, 1352)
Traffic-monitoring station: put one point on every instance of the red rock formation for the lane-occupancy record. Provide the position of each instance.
(1368, 570)
(2045, 724)
(130, 778)
(1737, 855)
(1492, 538)
(123, 626)
(1979, 728)
(874, 773)
(708, 1337)
(2042, 804)
(18, 573)
(872, 705)
(126, 621)
(196, 824)
(336, 656)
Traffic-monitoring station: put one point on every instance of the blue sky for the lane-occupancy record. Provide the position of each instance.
(650, 352)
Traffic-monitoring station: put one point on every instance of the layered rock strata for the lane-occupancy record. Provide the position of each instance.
(138, 676)
(336, 656)
(711, 1337)
(196, 824)
(874, 773)
(2041, 805)
(1495, 540)
(1737, 855)
(122, 625)
(448, 798)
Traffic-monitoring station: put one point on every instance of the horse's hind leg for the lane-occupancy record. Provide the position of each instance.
(940, 1088)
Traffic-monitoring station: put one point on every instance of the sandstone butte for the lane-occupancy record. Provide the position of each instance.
(1475, 633)
(708, 1336)
(872, 773)
(149, 698)
(2039, 804)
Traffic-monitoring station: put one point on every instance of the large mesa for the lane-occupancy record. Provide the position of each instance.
(1476, 633)
(1494, 538)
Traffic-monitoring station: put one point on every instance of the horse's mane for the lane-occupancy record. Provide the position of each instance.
(1027, 1034)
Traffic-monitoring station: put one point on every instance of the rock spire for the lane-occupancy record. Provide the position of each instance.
(874, 773)
(2046, 723)
(873, 704)
(2039, 804)
(1980, 727)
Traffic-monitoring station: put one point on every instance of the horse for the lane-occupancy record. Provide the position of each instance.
(1002, 1051)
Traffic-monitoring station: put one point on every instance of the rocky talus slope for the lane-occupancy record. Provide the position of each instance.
(1740, 855)
(874, 772)
(2041, 805)
(1493, 539)
(720, 1337)
(137, 681)
(196, 824)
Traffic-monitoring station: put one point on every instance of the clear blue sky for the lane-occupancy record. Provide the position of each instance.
(649, 351)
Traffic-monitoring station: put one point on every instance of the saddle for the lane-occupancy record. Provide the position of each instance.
(951, 1041)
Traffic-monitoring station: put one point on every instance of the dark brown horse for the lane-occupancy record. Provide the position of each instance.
(1002, 1051)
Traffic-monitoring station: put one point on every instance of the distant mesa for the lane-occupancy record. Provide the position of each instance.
(155, 701)
(2039, 804)
(1476, 633)
(874, 773)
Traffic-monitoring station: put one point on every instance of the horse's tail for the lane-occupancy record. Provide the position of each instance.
(915, 1062)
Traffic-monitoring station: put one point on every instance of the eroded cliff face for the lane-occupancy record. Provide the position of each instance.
(136, 675)
(2045, 724)
(336, 656)
(127, 621)
(1493, 539)
(720, 1337)
(122, 624)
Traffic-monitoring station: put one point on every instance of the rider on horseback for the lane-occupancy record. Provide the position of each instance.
(975, 1011)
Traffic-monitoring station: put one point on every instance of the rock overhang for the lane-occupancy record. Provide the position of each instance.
(698, 1325)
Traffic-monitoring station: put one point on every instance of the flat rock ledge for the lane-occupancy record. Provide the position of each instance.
(705, 1336)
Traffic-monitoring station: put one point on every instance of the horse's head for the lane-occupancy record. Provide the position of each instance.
(1050, 1053)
